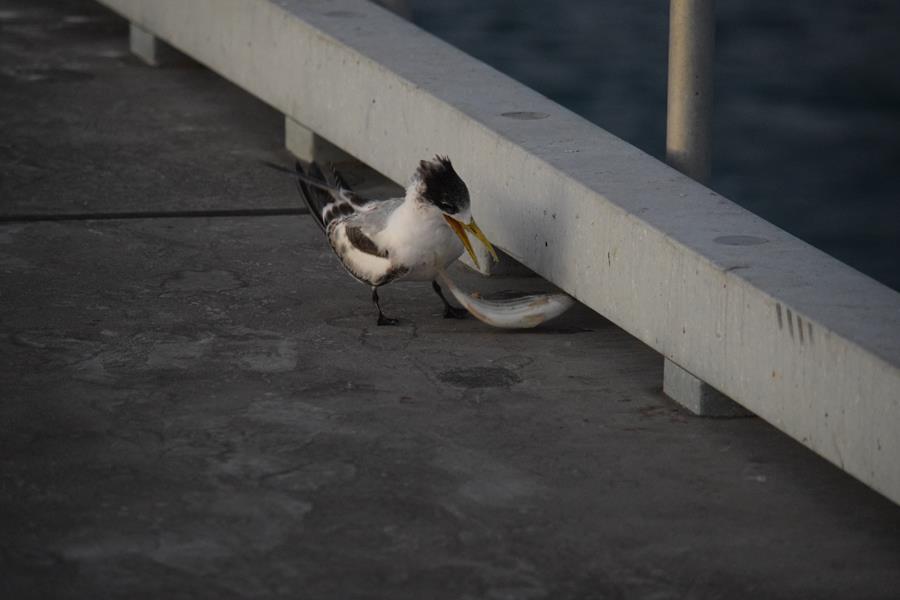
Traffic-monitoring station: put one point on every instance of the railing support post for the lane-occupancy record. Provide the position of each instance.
(308, 146)
(152, 50)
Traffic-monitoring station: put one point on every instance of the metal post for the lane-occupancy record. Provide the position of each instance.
(689, 120)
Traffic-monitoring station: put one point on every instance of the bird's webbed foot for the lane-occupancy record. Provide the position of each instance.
(382, 320)
(450, 311)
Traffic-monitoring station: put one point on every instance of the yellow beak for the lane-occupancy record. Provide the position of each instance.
(459, 228)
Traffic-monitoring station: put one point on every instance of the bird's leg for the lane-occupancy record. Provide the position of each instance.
(450, 312)
(382, 320)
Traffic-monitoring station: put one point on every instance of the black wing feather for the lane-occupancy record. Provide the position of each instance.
(315, 199)
(326, 194)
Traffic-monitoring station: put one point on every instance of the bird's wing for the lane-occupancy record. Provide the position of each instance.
(352, 239)
(350, 222)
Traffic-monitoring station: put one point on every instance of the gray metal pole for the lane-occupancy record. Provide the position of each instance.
(689, 118)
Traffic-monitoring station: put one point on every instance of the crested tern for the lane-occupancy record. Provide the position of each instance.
(413, 238)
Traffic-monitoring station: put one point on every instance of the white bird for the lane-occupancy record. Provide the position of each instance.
(413, 238)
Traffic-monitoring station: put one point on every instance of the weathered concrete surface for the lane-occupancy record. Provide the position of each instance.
(203, 408)
(791, 334)
(80, 115)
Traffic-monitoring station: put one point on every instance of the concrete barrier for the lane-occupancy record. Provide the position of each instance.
(800, 339)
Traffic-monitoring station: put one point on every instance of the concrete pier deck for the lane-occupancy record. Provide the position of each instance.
(195, 402)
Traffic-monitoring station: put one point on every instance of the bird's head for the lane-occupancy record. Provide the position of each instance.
(438, 184)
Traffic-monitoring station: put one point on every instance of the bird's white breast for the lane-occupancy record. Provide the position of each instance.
(418, 238)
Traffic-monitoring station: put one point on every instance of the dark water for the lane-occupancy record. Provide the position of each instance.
(807, 121)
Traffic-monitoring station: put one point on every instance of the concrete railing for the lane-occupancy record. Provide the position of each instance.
(800, 339)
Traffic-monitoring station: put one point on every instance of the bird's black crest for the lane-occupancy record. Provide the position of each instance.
(441, 186)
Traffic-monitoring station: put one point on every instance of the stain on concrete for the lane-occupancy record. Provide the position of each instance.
(740, 240)
(45, 75)
(56, 347)
(479, 377)
(267, 356)
(246, 349)
(178, 353)
(525, 115)
(257, 521)
(341, 14)
(483, 479)
(93, 370)
(304, 419)
(311, 477)
(8, 232)
(514, 361)
(389, 339)
(213, 280)
(10, 264)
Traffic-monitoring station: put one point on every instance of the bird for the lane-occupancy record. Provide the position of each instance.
(413, 238)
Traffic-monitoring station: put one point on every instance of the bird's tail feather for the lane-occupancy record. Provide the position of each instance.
(312, 187)
(335, 179)
(326, 194)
